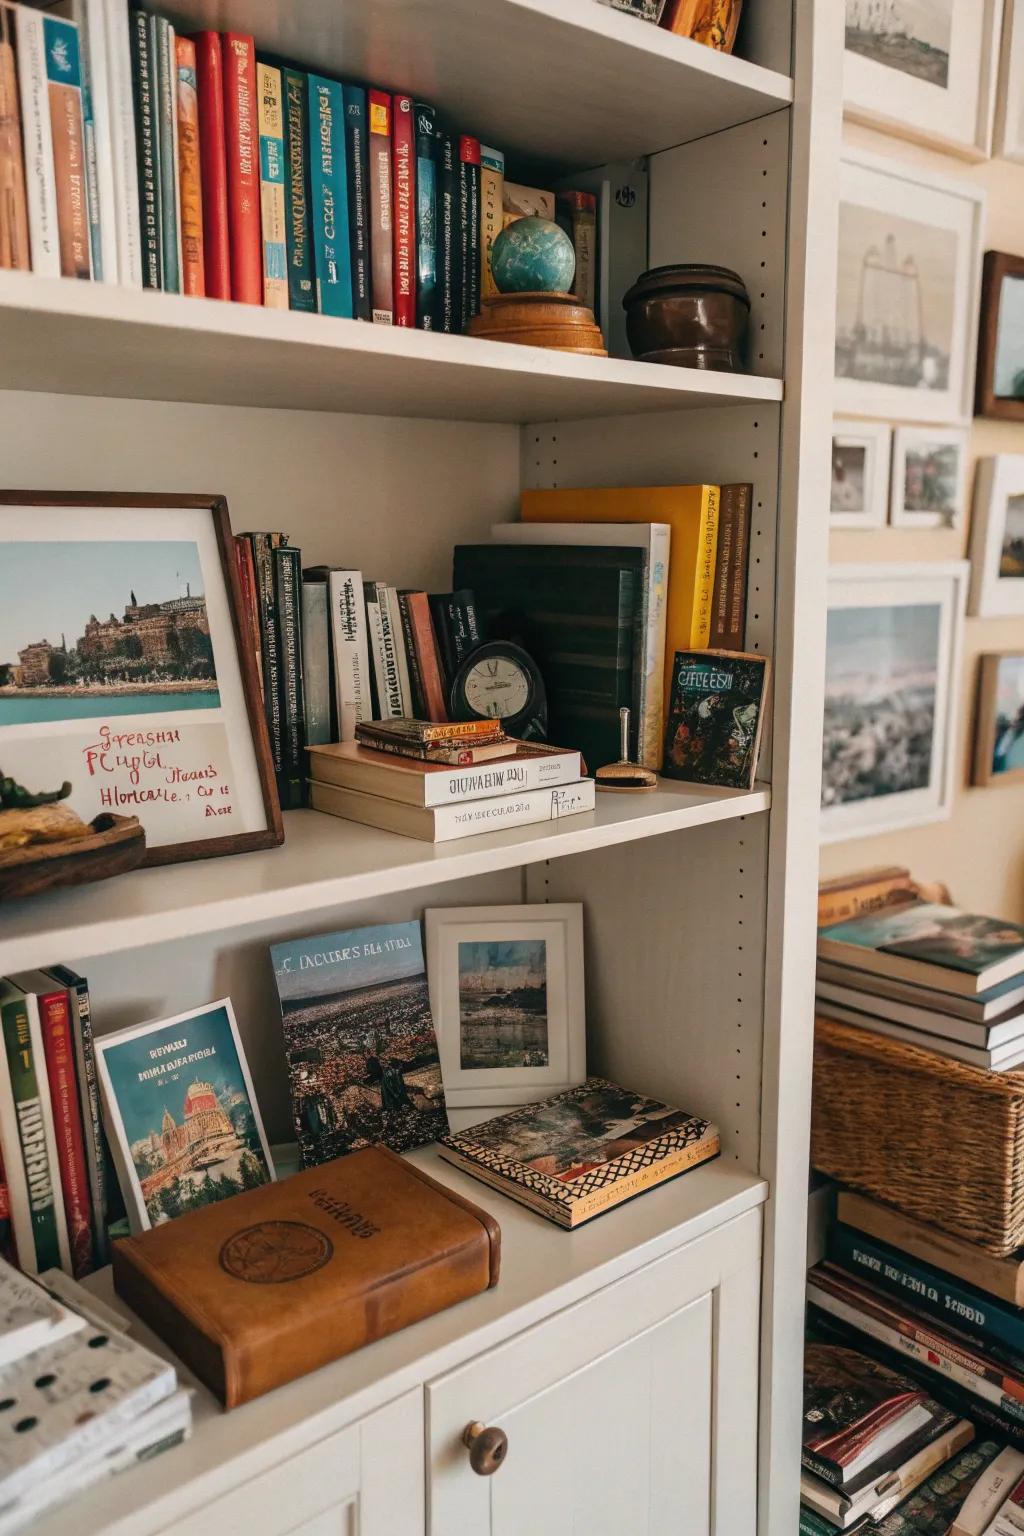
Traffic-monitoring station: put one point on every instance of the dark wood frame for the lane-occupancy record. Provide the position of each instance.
(998, 265)
(985, 723)
(241, 842)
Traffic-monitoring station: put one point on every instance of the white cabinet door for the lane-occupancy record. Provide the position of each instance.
(635, 1410)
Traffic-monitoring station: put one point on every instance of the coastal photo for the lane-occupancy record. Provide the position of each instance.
(861, 452)
(912, 36)
(999, 723)
(929, 478)
(359, 1038)
(997, 537)
(506, 993)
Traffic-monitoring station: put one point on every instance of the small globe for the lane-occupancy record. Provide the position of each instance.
(533, 255)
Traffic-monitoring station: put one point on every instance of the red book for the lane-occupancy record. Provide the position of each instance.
(59, 1050)
(403, 154)
(213, 165)
(426, 651)
(242, 144)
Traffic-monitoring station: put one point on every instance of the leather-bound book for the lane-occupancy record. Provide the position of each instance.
(254, 1291)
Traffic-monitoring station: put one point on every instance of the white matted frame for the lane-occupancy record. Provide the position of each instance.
(955, 108)
(856, 732)
(1009, 137)
(909, 280)
(910, 445)
(998, 497)
(850, 439)
(560, 927)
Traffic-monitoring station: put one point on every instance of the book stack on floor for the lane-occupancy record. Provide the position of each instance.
(84, 1400)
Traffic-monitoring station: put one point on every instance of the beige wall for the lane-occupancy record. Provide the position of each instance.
(979, 851)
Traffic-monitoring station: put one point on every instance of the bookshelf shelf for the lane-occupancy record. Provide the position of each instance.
(326, 863)
(87, 338)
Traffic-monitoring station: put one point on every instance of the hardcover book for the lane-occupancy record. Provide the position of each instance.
(492, 184)
(848, 896)
(856, 1411)
(359, 1038)
(40, 183)
(288, 598)
(47, 1240)
(715, 718)
(213, 162)
(937, 946)
(441, 824)
(89, 1101)
(449, 238)
(67, 128)
(144, 89)
(14, 247)
(298, 219)
(426, 218)
(578, 1154)
(165, 76)
(122, 145)
(316, 663)
(422, 733)
(193, 261)
(469, 231)
(381, 253)
(272, 196)
(937, 1503)
(357, 156)
(527, 766)
(729, 598)
(241, 133)
(894, 1481)
(405, 213)
(332, 257)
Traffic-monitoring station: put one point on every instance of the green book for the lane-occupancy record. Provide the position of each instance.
(25, 1073)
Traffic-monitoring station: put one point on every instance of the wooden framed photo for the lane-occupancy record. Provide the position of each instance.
(929, 477)
(997, 537)
(123, 668)
(926, 69)
(861, 451)
(892, 666)
(506, 992)
(999, 721)
(906, 299)
(1009, 140)
(1000, 384)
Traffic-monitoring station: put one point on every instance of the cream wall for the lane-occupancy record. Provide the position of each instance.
(979, 851)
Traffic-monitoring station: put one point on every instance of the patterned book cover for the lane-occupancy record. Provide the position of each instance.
(272, 211)
(298, 222)
(329, 185)
(193, 262)
(67, 128)
(936, 1504)
(715, 718)
(14, 249)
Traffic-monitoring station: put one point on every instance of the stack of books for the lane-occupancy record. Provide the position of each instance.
(439, 781)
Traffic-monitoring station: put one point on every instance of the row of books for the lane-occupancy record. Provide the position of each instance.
(134, 154)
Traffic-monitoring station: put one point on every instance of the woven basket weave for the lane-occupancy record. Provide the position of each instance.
(936, 1139)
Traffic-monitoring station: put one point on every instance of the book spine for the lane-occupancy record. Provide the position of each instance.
(146, 147)
(241, 138)
(40, 184)
(424, 646)
(213, 165)
(389, 677)
(394, 611)
(426, 218)
(298, 224)
(579, 212)
(272, 212)
(15, 1180)
(469, 231)
(700, 628)
(316, 663)
(501, 778)
(287, 592)
(403, 199)
(329, 181)
(193, 260)
(841, 906)
(39, 1175)
(729, 597)
(651, 724)
(357, 158)
(449, 297)
(381, 262)
(419, 733)
(463, 625)
(98, 110)
(14, 240)
(250, 601)
(89, 1103)
(263, 566)
(515, 810)
(67, 128)
(492, 193)
(353, 701)
(55, 1028)
(417, 697)
(124, 161)
(161, 42)
(79, 15)
(440, 612)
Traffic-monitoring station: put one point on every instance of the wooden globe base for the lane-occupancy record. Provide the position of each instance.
(555, 320)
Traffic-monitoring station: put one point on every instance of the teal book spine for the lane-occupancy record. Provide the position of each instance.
(161, 39)
(298, 220)
(42, 1192)
(357, 155)
(329, 185)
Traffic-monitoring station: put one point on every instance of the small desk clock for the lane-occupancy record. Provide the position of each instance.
(500, 681)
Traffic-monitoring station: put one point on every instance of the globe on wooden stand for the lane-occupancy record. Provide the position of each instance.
(533, 264)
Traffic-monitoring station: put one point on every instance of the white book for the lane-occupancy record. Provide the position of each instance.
(987, 1007)
(398, 630)
(655, 540)
(527, 765)
(49, 1129)
(122, 144)
(349, 651)
(442, 824)
(37, 139)
(385, 663)
(985, 1500)
(92, 33)
(30, 1319)
(1000, 1060)
(76, 1298)
(986, 1036)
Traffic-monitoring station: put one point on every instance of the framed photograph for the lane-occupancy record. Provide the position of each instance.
(999, 721)
(892, 665)
(860, 474)
(997, 538)
(929, 477)
(906, 301)
(506, 991)
(1000, 384)
(1009, 140)
(925, 68)
(181, 1114)
(123, 668)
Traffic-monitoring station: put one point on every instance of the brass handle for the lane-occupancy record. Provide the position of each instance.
(487, 1447)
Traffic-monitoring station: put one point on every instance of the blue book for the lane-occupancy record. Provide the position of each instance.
(426, 218)
(328, 175)
(357, 154)
(298, 222)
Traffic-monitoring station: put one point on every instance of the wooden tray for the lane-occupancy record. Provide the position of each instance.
(117, 844)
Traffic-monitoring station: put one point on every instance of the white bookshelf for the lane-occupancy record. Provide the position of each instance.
(381, 449)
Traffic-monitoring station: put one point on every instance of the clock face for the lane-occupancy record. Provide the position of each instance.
(497, 686)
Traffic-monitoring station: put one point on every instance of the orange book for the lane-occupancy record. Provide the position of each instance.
(14, 248)
(193, 271)
(64, 88)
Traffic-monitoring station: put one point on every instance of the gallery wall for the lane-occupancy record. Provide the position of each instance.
(979, 850)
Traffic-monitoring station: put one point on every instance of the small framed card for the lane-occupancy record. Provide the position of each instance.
(181, 1114)
(506, 991)
(860, 474)
(716, 717)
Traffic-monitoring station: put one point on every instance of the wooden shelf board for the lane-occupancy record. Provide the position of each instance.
(324, 863)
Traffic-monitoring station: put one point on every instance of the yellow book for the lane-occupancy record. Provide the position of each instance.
(272, 217)
(692, 513)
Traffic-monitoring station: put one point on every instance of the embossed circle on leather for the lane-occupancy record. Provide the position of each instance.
(273, 1252)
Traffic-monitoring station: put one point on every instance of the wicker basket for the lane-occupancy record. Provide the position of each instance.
(937, 1139)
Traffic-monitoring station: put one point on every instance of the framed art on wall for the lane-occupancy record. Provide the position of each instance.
(999, 722)
(892, 666)
(929, 477)
(1009, 140)
(906, 299)
(1000, 384)
(997, 537)
(860, 474)
(506, 992)
(925, 68)
(124, 672)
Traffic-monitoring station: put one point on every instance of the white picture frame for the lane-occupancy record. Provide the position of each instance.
(870, 692)
(480, 949)
(938, 87)
(861, 451)
(908, 291)
(998, 496)
(929, 477)
(1009, 131)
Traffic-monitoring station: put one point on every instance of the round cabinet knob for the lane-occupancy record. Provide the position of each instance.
(487, 1448)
